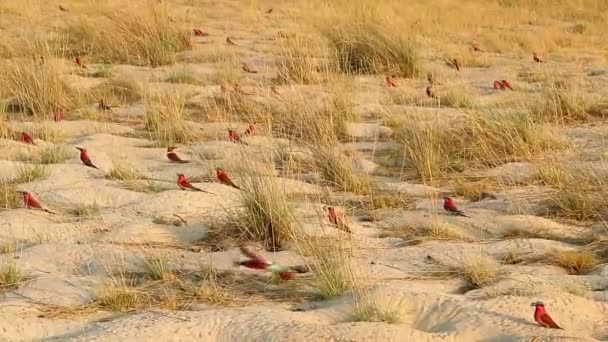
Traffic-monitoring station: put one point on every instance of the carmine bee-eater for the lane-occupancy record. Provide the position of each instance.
(172, 156)
(30, 202)
(85, 159)
(536, 58)
(233, 136)
(199, 33)
(229, 41)
(497, 85)
(337, 220)
(58, 115)
(223, 177)
(80, 63)
(248, 68)
(431, 79)
(256, 262)
(390, 81)
(183, 183)
(26, 138)
(251, 129)
(450, 207)
(430, 93)
(542, 317)
(506, 84)
(102, 105)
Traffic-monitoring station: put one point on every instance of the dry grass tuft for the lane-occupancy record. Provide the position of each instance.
(458, 97)
(9, 197)
(123, 172)
(117, 91)
(297, 62)
(368, 48)
(121, 298)
(474, 191)
(480, 273)
(29, 173)
(338, 170)
(182, 77)
(576, 262)
(164, 119)
(561, 104)
(369, 308)
(157, 267)
(10, 276)
(36, 87)
(86, 210)
(146, 36)
(49, 154)
(210, 290)
(436, 230)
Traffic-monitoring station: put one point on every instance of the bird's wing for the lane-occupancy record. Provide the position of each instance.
(549, 321)
(248, 253)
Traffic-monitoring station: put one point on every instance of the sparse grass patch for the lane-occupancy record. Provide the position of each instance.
(457, 97)
(10, 276)
(182, 76)
(36, 88)
(29, 173)
(123, 172)
(474, 191)
(297, 61)
(210, 290)
(368, 48)
(576, 262)
(121, 298)
(369, 308)
(436, 230)
(147, 187)
(338, 170)
(333, 274)
(117, 90)
(480, 273)
(157, 267)
(102, 71)
(164, 119)
(560, 104)
(512, 258)
(146, 36)
(85, 210)
(49, 154)
(47, 133)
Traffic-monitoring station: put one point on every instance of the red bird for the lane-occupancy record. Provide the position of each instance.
(102, 105)
(390, 81)
(506, 84)
(229, 41)
(58, 115)
(247, 68)
(233, 136)
(85, 159)
(450, 207)
(430, 93)
(30, 202)
(542, 317)
(223, 177)
(536, 58)
(183, 183)
(26, 138)
(199, 33)
(79, 63)
(338, 220)
(172, 156)
(251, 130)
(498, 85)
(256, 262)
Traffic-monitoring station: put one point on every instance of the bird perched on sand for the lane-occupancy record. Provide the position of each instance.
(497, 85)
(536, 58)
(85, 159)
(30, 202)
(248, 68)
(450, 207)
(58, 115)
(430, 93)
(79, 63)
(229, 41)
(26, 138)
(172, 156)
(542, 317)
(199, 33)
(506, 84)
(256, 262)
(183, 184)
(390, 81)
(475, 47)
(233, 136)
(102, 105)
(431, 79)
(251, 129)
(223, 177)
(338, 220)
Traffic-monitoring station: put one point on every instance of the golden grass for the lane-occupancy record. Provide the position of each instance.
(369, 48)
(157, 267)
(182, 76)
(164, 119)
(474, 191)
(10, 276)
(297, 61)
(123, 172)
(146, 36)
(457, 96)
(116, 91)
(49, 154)
(85, 210)
(337, 169)
(333, 274)
(370, 308)
(29, 173)
(122, 298)
(36, 87)
(436, 230)
(480, 273)
(576, 262)
(562, 104)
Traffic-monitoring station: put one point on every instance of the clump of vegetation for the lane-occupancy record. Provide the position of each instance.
(576, 262)
(337, 169)
(49, 154)
(480, 273)
(164, 119)
(10, 276)
(297, 61)
(29, 173)
(123, 173)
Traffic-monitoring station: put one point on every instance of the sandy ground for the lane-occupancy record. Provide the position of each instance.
(69, 259)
